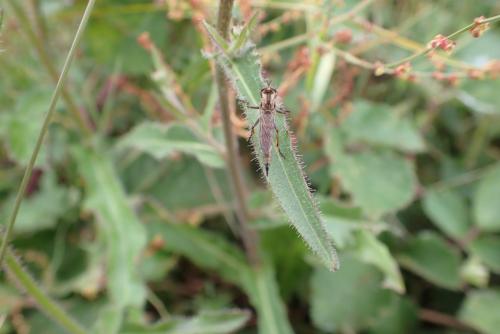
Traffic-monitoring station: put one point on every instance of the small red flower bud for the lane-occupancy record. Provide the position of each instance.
(479, 27)
(475, 74)
(343, 36)
(442, 42)
(145, 41)
(402, 70)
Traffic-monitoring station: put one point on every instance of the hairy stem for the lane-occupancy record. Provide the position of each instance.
(248, 235)
(47, 305)
(45, 127)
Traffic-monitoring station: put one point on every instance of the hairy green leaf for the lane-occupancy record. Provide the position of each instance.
(123, 235)
(161, 141)
(286, 177)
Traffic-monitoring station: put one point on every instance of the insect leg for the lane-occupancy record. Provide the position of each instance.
(253, 128)
(278, 142)
(247, 104)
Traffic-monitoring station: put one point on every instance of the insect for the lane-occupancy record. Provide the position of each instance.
(269, 106)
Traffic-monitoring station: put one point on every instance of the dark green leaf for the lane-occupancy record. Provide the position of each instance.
(429, 256)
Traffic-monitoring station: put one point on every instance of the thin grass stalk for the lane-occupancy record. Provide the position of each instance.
(48, 117)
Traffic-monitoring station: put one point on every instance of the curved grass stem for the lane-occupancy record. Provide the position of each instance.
(43, 131)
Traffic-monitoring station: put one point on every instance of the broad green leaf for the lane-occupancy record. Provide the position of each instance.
(207, 322)
(486, 208)
(379, 182)
(370, 250)
(480, 310)
(429, 256)
(43, 208)
(487, 248)
(162, 141)
(400, 316)
(448, 210)
(119, 228)
(342, 222)
(349, 300)
(286, 178)
(378, 124)
(210, 251)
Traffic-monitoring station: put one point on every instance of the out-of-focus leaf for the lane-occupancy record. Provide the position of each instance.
(207, 322)
(448, 210)
(243, 36)
(162, 141)
(85, 312)
(379, 182)
(377, 124)
(480, 310)
(286, 177)
(401, 316)
(322, 78)
(123, 235)
(210, 251)
(342, 222)
(263, 292)
(486, 208)
(207, 250)
(487, 248)
(474, 272)
(23, 125)
(41, 210)
(429, 256)
(349, 300)
(370, 250)
(9, 298)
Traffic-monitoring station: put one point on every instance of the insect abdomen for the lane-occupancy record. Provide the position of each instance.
(266, 136)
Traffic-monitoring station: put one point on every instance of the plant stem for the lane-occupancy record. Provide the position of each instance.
(49, 65)
(47, 305)
(45, 126)
(248, 235)
(428, 49)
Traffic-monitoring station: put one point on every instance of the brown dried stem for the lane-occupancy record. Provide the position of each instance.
(249, 236)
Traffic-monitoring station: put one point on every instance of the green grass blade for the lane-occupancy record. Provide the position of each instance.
(45, 127)
(286, 177)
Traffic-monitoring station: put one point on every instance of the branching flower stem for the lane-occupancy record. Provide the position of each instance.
(249, 236)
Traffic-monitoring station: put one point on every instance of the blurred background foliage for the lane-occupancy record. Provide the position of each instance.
(128, 218)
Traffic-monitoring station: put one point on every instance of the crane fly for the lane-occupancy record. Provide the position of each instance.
(270, 104)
